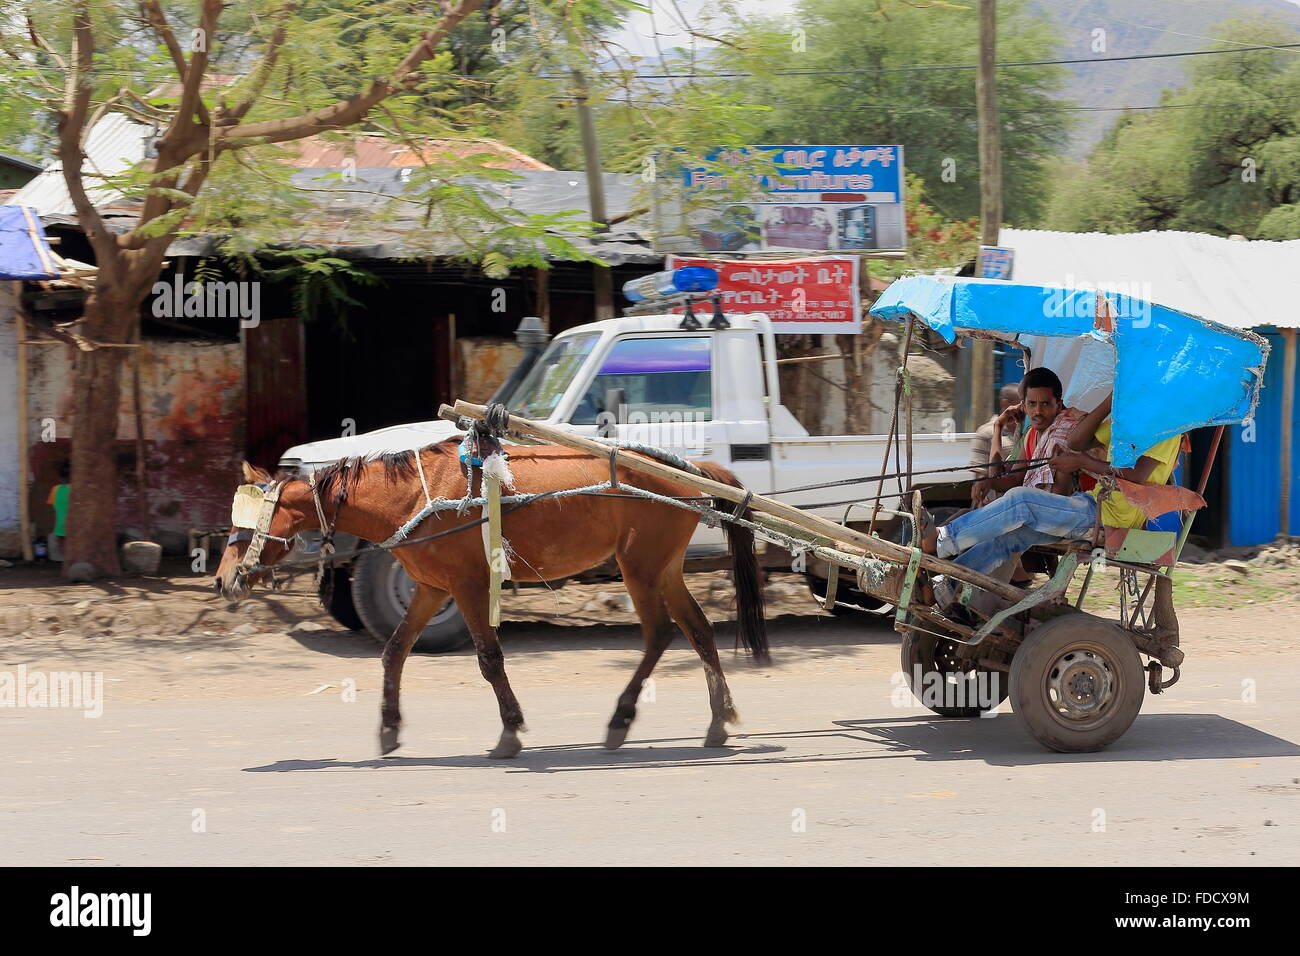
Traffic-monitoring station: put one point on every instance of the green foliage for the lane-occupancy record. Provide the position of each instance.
(333, 49)
(931, 113)
(319, 280)
(1222, 156)
(934, 242)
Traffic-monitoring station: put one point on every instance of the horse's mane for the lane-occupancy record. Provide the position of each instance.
(338, 478)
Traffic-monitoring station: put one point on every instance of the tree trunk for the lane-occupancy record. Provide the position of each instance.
(797, 392)
(859, 366)
(91, 532)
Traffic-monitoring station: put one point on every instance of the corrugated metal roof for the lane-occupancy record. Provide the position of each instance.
(116, 143)
(370, 150)
(355, 217)
(1240, 284)
(355, 220)
(27, 164)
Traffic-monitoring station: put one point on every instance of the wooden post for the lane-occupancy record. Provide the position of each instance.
(602, 280)
(141, 493)
(492, 491)
(542, 293)
(908, 391)
(788, 514)
(1288, 418)
(990, 146)
(24, 508)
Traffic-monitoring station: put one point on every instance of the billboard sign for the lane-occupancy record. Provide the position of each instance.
(804, 199)
(800, 296)
(996, 262)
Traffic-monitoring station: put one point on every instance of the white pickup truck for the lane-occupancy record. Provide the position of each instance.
(705, 393)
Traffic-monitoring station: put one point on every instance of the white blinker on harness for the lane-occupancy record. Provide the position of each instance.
(252, 511)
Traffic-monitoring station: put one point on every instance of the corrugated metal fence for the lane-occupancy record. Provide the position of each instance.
(1255, 481)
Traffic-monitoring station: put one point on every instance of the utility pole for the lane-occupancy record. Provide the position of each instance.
(986, 102)
(602, 280)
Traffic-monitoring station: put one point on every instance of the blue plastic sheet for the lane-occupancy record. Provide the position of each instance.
(1173, 372)
(24, 253)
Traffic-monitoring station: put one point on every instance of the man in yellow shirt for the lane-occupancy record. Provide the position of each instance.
(1091, 438)
(985, 538)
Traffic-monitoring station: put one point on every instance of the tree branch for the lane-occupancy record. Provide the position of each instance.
(72, 123)
(153, 13)
(348, 112)
(265, 67)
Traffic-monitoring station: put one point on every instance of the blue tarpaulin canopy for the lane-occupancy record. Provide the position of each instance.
(24, 253)
(1173, 372)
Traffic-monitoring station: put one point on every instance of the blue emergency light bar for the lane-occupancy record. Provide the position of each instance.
(674, 282)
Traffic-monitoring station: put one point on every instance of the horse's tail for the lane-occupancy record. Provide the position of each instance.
(751, 613)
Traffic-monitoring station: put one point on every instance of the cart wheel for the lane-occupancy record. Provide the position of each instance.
(946, 686)
(1077, 683)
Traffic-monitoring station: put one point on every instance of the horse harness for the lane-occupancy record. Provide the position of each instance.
(251, 515)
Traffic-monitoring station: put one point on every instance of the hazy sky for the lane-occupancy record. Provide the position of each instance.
(637, 36)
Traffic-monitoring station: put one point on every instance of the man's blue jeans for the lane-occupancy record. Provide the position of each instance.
(985, 538)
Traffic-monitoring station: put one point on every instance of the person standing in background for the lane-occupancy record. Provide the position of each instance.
(982, 445)
(58, 500)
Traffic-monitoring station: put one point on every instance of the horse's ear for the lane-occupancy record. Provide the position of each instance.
(254, 475)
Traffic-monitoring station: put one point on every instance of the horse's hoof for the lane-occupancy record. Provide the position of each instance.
(508, 746)
(388, 740)
(615, 738)
(716, 738)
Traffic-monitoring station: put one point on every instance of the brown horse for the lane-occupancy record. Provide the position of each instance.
(549, 539)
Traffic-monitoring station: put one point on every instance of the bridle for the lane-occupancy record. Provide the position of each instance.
(257, 531)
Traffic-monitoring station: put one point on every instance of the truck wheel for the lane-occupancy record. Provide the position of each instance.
(336, 597)
(1077, 683)
(381, 592)
(948, 687)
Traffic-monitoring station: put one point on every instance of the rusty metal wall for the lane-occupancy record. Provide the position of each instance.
(482, 364)
(275, 389)
(193, 402)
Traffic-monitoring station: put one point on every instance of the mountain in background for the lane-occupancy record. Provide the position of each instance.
(1135, 27)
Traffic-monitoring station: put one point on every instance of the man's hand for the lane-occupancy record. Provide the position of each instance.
(1068, 462)
(1013, 415)
(978, 491)
(1064, 462)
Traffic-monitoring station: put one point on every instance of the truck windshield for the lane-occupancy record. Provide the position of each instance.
(548, 380)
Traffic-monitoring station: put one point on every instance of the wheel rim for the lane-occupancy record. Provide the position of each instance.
(965, 685)
(1082, 686)
(397, 588)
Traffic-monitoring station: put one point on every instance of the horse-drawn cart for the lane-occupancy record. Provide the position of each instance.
(1075, 680)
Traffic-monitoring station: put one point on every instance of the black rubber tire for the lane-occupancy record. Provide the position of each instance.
(924, 654)
(336, 598)
(380, 593)
(1077, 683)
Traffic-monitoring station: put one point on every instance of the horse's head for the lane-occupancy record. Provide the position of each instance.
(263, 524)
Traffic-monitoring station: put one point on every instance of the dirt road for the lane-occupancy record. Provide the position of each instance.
(248, 736)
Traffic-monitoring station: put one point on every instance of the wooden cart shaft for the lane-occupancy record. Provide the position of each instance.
(846, 539)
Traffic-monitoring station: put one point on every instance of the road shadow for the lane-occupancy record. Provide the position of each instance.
(998, 742)
(1001, 741)
(665, 753)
